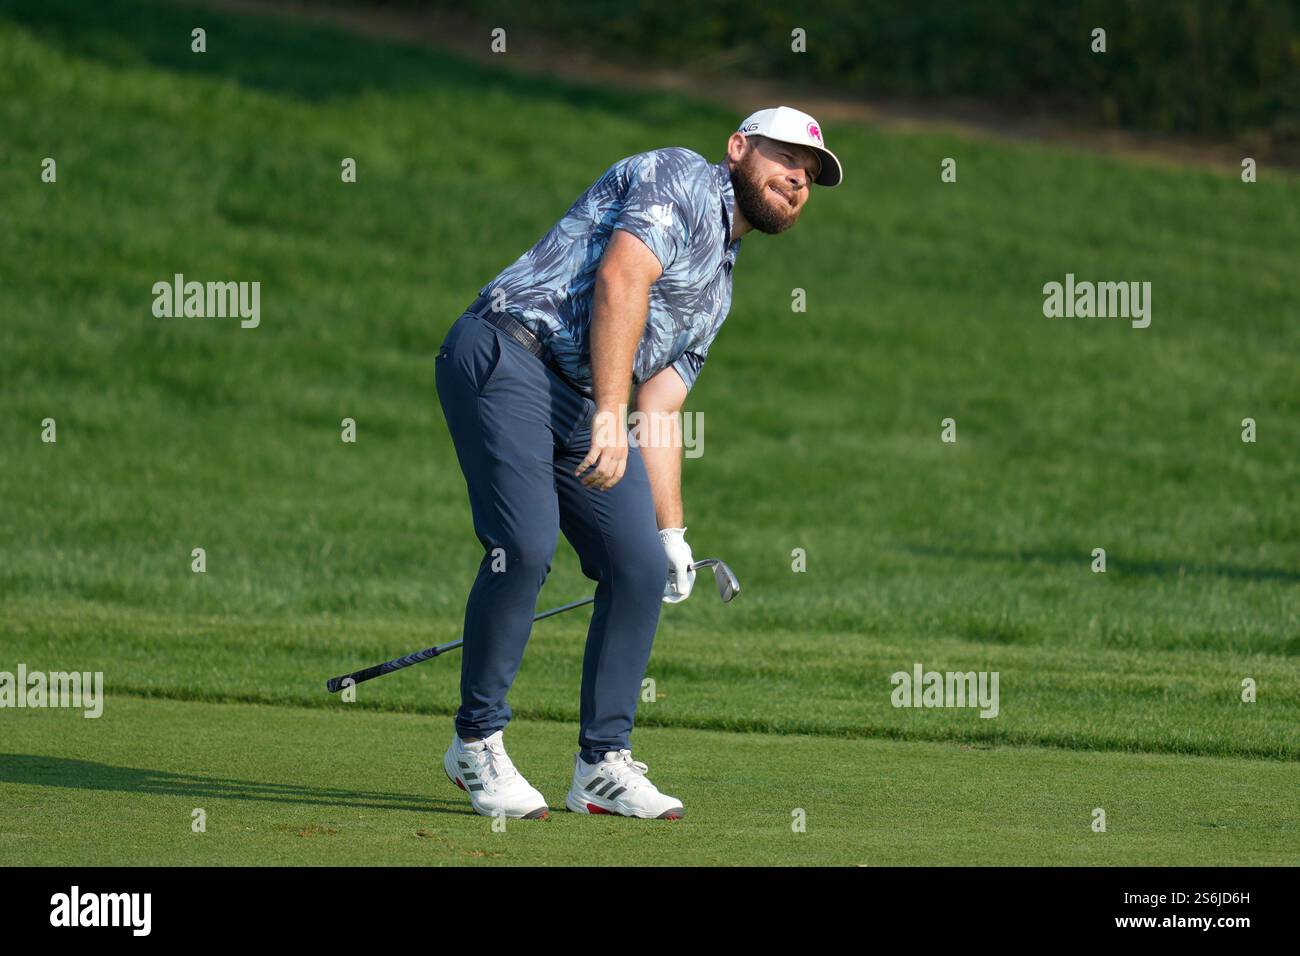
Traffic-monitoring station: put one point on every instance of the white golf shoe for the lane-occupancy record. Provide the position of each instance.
(618, 785)
(484, 771)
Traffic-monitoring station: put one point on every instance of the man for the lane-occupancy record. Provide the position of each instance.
(630, 286)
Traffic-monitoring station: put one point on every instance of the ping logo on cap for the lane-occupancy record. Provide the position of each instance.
(814, 133)
(749, 128)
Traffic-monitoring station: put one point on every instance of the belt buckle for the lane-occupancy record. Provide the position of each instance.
(513, 328)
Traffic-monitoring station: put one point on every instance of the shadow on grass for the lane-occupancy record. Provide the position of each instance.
(75, 774)
(1114, 565)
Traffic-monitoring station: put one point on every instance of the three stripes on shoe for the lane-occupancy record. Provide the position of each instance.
(605, 786)
(470, 777)
(607, 789)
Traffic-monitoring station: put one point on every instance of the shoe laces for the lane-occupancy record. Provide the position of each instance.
(628, 772)
(493, 758)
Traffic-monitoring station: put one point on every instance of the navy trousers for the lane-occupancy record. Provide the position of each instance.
(520, 431)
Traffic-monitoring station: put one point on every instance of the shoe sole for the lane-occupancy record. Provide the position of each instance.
(672, 813)
(541, 813)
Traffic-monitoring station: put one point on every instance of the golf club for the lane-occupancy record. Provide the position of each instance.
(728, 588)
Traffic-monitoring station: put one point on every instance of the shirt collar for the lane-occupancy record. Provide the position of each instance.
(722, 176)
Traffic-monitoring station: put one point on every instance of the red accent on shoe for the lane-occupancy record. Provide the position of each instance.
(592, 808)
(461, 785)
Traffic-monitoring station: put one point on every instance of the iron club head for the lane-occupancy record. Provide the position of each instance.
(728, 585)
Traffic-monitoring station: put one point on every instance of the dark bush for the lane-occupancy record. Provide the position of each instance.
(1206, 67)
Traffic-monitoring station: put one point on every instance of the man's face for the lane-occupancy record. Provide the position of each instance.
(771, 182)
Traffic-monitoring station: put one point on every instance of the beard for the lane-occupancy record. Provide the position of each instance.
(764, 210)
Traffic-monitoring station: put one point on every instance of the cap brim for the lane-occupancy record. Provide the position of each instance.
(832, 173)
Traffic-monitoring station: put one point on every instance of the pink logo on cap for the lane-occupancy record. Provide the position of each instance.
(815, 134)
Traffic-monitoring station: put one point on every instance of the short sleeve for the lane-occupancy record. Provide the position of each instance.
(688, 367)
(652, 207)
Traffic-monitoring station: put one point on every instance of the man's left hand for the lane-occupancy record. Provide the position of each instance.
(681, 576)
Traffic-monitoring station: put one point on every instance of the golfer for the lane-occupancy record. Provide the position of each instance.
(630, 287)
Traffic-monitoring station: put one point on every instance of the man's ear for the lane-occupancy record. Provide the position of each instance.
(747, 143)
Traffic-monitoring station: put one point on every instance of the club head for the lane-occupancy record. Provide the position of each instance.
(728, 585)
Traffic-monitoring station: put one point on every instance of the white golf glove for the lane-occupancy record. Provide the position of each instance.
(681, 576)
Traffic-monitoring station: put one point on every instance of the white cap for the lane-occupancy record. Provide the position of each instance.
(792, 126)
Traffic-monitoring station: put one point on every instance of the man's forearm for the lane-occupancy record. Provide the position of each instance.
(617, 320)
(663, 464)
(620, 300)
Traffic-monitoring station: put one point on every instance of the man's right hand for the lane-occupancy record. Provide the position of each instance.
(607, 458)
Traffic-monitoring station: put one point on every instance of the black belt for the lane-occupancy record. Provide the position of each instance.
(482, 308)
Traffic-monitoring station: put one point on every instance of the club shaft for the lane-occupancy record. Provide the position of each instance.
(335, 684)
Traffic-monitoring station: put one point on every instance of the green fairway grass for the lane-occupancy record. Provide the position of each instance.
(822, 433)
(311, 787)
